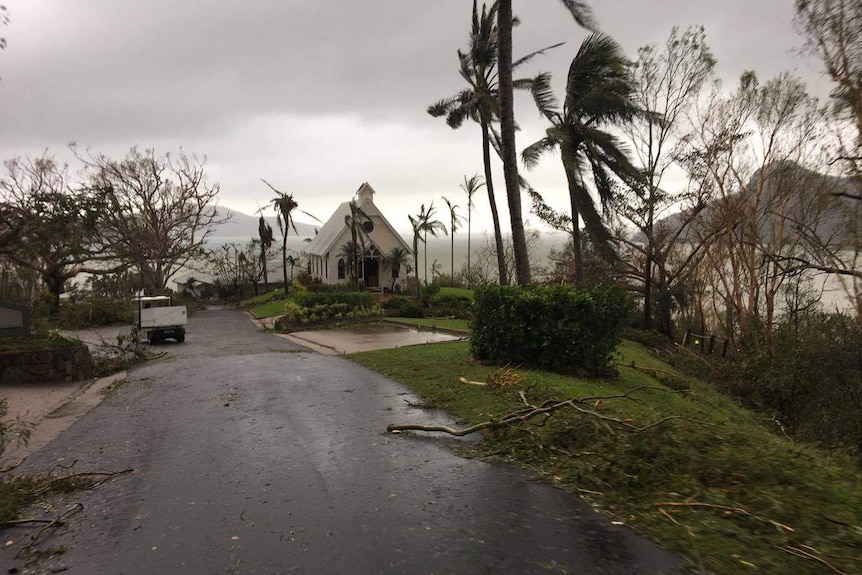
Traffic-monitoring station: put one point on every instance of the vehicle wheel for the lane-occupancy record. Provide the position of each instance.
(181, 338)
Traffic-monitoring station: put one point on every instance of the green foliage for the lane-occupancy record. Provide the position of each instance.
(428, 293)
(553, 327)
(351, 299)
(321, 312)
(815, 380)
(714, 454)
(94, 311)
(411, 309)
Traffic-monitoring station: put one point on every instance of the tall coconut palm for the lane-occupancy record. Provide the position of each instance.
(470, 187)
(359, 237)
(455, 220)
(479, 101)
(394, 260)
(285, 206)
(582, 15)
(599, 93)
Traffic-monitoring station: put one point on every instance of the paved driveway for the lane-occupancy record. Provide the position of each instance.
(253, 455)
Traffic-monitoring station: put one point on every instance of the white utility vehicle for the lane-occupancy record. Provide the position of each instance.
(156, 319)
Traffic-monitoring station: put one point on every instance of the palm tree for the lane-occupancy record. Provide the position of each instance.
(359, 237)
(581, 13)
(599, 92)
(348, 254)
(416, 223)
(394, 260)
(264, 230)
(454, 221)
(470, 186)
(284, 206)
(433, 227)
(479, 101)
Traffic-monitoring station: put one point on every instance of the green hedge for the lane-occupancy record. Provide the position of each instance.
(352, 299)
(551, 327)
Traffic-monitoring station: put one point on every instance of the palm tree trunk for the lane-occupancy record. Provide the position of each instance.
(416, 260)
(469, 218)
(489, 184)
(425, 257)
(284, 258)
(507, 129)
(452, 253)
(576, 224)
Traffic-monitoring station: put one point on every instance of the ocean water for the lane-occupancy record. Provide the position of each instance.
(439, 250)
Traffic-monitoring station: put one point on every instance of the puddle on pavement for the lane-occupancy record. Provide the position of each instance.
(371, 336)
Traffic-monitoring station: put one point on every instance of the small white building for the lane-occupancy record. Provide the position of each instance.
(325, 257)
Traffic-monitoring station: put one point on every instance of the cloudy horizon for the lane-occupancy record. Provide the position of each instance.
(318, 98)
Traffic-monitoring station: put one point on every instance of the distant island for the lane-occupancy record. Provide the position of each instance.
(242, 225)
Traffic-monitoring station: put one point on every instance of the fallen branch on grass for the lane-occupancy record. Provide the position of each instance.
(810, 556)
(544, 411)
(655, 372)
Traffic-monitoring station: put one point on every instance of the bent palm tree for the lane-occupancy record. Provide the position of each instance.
(264, 230)
(599, 92)
(455, 220)
(479, 101)
(284, 206)
(581, 13)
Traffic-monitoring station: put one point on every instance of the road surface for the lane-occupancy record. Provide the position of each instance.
(252, 455)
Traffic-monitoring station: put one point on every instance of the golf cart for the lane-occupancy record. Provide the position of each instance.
(157, 320)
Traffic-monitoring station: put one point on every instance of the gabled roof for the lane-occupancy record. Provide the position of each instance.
(326, 237)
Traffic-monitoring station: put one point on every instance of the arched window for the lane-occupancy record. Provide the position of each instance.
(341, 269)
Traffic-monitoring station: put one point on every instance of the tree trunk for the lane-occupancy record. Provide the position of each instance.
(576, 231)
(489, 184)
(507, 129)
(648, 264)
(284, 258)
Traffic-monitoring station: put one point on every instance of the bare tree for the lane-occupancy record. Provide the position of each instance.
(159, 211)
(750, 150)
(668, 80)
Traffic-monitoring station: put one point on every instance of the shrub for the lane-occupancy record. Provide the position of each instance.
(814, 381)
(552, 327)
(352, 299)
(428, 293)
(94, 311)
(396, 302)
(456, 306)
(411, 309)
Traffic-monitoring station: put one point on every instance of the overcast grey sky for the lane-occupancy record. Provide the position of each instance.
(318, 96)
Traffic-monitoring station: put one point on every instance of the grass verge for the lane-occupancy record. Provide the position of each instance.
(716, 485)
(459, 324)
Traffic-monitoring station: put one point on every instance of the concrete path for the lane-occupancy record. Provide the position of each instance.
(253, 455)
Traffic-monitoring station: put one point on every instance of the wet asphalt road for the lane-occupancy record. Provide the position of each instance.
(254, 456)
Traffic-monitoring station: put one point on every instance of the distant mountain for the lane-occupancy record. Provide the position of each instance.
(244, 226)
(787, 190)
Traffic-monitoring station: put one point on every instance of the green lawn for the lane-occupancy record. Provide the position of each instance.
(269, 309)
(461, 324)
(263, 298)
(456, 291)
(718, 484)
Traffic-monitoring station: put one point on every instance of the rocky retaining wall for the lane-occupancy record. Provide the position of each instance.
(46, 366)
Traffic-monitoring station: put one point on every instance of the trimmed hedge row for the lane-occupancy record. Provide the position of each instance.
(551, 327)
(352, 299)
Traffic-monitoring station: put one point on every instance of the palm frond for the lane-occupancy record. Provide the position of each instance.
(582, 13)
(534, 152)
(531, 55)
